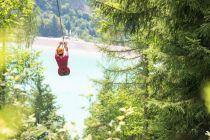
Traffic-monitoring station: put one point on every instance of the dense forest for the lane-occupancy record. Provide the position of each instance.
(75, 15)
(155, 86)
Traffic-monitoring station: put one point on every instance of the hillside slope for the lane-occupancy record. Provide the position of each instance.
(76, 19)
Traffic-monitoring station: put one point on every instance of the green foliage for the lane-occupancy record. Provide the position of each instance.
(76, 19)
(13, 12)
(24, 89)
(10, 121)
(51, 28)
(206, 95)
(27, 106)
(167, 45)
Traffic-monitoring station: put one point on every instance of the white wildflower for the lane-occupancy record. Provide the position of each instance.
(111, 123)
(121, 123)
(123, 109)
(118, 129)
(129, 111)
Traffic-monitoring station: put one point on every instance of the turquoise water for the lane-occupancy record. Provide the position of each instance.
(84, 67)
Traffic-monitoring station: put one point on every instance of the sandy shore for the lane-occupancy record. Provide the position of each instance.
(81, 46)
(74, 44)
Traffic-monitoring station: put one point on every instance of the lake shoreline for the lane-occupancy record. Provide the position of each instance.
(75, 45)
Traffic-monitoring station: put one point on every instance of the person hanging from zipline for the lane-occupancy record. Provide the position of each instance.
(62, 56)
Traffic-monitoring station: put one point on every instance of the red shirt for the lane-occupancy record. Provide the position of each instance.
(62, 61)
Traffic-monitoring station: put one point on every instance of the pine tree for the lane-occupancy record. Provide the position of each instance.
(176, 57)
(55, 27)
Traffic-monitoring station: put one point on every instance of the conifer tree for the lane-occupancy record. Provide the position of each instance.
(176, 58)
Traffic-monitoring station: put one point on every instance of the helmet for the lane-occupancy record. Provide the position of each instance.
(60, 51)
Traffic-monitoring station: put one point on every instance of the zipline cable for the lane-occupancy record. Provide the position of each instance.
(59, 15)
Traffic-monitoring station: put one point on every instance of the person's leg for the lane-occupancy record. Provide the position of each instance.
(61, 72)
(66, 71)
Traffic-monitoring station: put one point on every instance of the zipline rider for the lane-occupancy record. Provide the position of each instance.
(62, 56)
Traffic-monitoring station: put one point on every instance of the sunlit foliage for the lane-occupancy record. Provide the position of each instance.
(27, 105)
(169, 40)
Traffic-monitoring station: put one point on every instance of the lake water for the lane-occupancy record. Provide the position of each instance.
(84, 67)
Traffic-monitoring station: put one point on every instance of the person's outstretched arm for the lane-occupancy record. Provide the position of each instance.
(60, 43)
(66, 47)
